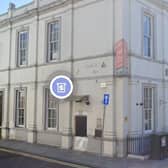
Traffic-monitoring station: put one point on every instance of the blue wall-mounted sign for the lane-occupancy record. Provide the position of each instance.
(106, 99)
(61, 87)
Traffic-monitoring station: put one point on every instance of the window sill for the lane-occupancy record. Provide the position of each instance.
(53, 61)
(148, 58)
(148, 132)
(20, 127)
(21, 66)
(51, 129)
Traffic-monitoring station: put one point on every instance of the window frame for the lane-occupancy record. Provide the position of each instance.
(16, 108)
(48, 59)
(154, 108)
(151, 56)
(46, 94)
(19, 49)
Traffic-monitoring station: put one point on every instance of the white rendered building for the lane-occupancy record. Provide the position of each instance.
(117, 47)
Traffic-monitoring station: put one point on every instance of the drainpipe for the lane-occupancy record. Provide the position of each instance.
(36, 74)
(72, 68)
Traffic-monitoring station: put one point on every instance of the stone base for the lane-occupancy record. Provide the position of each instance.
(66, 142)
(32, 136)
(12, 133)
(4, 133)
(121, 148)
(109, 148)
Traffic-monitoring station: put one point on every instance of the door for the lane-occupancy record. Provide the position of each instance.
(148, 110)
(80, 139)
(81, 126)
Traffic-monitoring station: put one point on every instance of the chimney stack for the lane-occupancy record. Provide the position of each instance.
(11, 8)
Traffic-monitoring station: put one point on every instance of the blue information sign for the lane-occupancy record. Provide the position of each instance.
(61, 87)
(106, 99)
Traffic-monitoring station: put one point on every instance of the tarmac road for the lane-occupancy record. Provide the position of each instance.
(8, 160)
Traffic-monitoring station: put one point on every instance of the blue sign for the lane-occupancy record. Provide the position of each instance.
(61, 87)
(106, 99)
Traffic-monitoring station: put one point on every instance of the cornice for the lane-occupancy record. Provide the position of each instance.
(36, 11)
(163, 4)
(54, 5)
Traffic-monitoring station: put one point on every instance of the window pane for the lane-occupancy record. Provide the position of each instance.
(51, 118)
(51, 110)
(20, 107)
(147, 46)
(147, 25)
(147, 35)
(23, 48)
(53, 40)
(148, 108)
(21, 117)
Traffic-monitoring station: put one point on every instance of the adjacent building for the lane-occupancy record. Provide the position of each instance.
(118, 47)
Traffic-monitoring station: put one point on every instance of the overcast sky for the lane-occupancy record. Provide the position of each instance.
(5, 3)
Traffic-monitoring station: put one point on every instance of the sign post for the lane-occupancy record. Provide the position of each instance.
(105, 103)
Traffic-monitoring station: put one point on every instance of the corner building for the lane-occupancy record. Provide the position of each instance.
(105, 46)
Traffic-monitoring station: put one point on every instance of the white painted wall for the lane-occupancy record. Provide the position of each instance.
(97, 26)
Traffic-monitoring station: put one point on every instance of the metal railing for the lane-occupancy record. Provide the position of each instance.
(139, 145)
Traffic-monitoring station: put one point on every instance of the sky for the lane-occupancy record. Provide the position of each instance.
(5, 3)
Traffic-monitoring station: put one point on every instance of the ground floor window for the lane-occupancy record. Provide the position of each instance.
(81, 126)
(148, 109)
(51, 110)
(20, 107)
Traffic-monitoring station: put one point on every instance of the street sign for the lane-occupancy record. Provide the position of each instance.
(106, 99)
(61, 87)
(105, 102)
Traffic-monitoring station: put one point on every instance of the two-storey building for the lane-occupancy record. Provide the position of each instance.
(117, 47)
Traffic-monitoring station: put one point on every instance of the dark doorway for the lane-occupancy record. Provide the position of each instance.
(81, 126)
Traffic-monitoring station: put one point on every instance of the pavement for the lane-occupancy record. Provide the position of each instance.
(75, 157)
(78, 158)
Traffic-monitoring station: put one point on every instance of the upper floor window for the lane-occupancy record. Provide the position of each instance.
(148, 36)
(22, 48)
(54, 34)
(20, 107)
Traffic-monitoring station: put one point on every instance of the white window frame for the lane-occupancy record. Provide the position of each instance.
(149, 131)
(17, 108)
(150, 36)
(57, 41)
(19, 57)
(47, 92)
